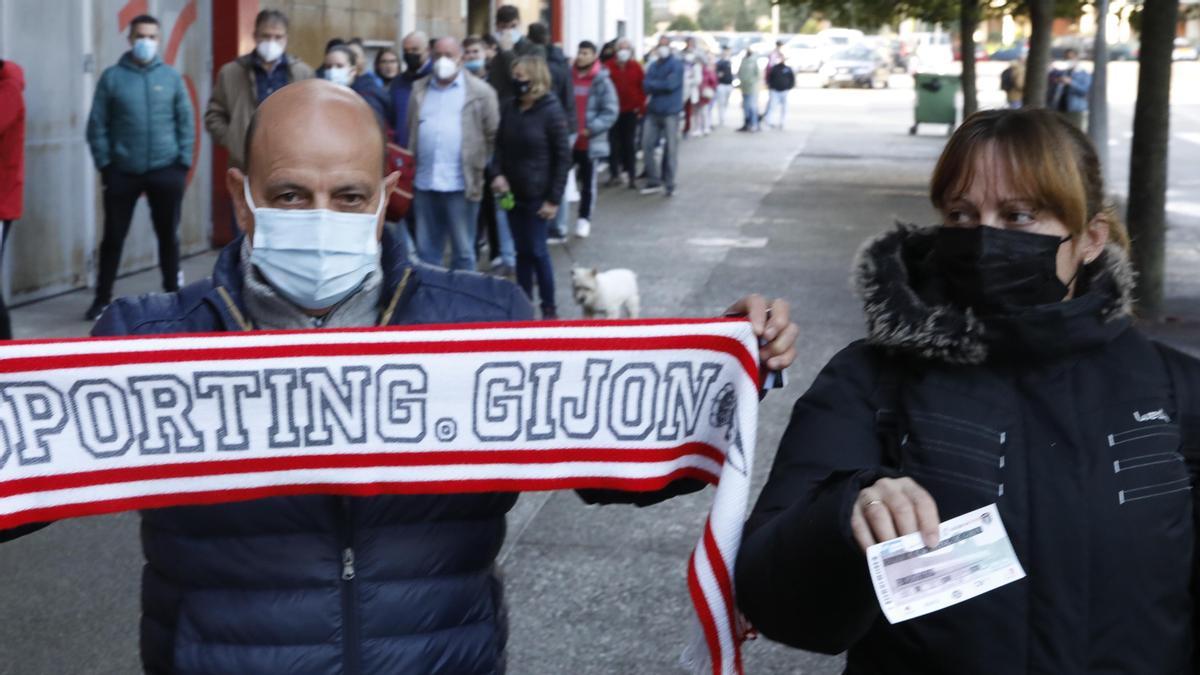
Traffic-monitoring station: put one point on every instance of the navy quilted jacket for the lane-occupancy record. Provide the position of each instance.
(324, 584)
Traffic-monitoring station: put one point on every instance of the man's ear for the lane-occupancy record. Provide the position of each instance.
(389, 184)
(1096, 237)
(234, 180)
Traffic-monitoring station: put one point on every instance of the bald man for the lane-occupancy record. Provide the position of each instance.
(324, 584)
(452, 123)
(316, 584)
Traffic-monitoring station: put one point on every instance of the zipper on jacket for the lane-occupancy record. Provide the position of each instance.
(149, 115)
(350, 628)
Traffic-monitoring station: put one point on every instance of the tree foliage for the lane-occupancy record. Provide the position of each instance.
(683, 23)
(870, 15)
(743, 15)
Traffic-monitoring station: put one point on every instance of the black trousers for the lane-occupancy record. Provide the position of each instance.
(624, 143)
(585, 180)
(164, 192)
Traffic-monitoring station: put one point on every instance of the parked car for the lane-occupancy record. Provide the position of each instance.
(837, 38)
(1010, 53)
(1185, 50)
(857, 66)
(1124, 51)
(803, 54)
(980, 53)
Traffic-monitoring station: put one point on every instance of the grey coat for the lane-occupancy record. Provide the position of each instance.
(602, 111)
(480, 121)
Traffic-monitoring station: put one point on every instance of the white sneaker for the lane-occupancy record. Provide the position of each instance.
(583, 228)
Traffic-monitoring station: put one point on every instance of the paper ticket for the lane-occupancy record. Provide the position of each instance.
(973, 556)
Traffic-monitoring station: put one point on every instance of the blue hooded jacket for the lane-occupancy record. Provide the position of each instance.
(265, 586)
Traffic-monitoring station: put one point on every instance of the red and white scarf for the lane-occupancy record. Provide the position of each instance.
(104, 425)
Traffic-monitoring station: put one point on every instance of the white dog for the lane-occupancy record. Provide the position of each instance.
(605, 293)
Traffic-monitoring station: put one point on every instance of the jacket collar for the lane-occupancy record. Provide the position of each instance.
(900, 295)
(228, 293)
(474, 88)
(249, 61)
(128, 61)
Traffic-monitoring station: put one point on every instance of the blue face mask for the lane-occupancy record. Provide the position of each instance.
(144, 49)
(474, 65)
(314, 257)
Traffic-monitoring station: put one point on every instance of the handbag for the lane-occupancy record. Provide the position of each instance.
(400, 160)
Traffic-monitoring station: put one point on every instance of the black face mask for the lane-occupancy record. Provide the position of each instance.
(523, 87)
(992, 269)
(412, 62)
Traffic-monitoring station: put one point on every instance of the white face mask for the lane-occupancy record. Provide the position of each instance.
(270, 50)
(445, 69)
(664, 52)
(314, 257)
(515, 35)
(624, 55)
(339, 75)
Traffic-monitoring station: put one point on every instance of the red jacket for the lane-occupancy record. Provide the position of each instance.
(12, 140)
(628, 81)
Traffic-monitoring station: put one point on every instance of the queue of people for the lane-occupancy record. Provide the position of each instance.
(441, 100)
(378, 584)
(1001, 366)
(1068, 87)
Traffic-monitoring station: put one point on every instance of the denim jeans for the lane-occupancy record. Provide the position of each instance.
(533, 256)
(723, 92)
(441, 215)
(404, 240)
(504, 237)
(778, 105)
(750, 109)
(667, 128)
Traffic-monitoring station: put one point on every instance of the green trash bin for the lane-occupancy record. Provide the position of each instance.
(937, 97)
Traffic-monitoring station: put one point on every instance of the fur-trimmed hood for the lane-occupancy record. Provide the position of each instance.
(906, 312)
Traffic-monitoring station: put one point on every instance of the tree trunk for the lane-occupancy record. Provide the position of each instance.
(1098, 96)
(1147, 206)
(969, 20)
(1037, 67)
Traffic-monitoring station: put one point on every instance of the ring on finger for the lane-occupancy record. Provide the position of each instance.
(871, 503)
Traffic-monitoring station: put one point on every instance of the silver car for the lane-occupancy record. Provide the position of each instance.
(857, 66)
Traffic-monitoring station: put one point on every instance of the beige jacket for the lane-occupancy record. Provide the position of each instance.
(1017, 93)
(480, 122)
(234, 100)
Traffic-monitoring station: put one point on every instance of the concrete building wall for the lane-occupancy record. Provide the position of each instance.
(53, 247)
(601, 20)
